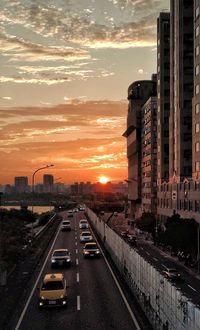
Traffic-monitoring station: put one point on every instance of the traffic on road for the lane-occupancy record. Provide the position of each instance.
(75, 287)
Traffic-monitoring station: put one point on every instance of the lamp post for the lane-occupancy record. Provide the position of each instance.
(32, 184)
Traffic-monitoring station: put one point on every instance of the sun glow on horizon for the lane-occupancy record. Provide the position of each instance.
(103, 179)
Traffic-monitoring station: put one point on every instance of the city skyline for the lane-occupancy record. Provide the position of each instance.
(66, 69)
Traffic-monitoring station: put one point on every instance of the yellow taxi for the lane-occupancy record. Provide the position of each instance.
(53, 291)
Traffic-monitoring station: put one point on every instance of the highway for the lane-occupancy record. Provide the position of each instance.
(94, 299)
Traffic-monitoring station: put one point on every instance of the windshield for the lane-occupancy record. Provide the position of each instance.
(60, 253)
(66, 223)
(92, 247)
(52, 285)
(83, 221)
(85, 234)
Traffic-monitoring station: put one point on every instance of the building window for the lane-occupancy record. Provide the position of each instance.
(197, 31)
(197, 89)
(197, 147)
(197, 166)
(197, 128)
(197, 108)
(197, 70)
(197, 50)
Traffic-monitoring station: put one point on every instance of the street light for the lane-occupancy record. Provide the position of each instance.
(33, 178)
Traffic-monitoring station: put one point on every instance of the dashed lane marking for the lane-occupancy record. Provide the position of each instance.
(77, 277)
(78, 303)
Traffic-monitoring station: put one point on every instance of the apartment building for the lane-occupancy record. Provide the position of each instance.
(138, 94)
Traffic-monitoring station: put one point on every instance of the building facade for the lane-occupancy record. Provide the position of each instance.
(138, 93)
(163, 96)
(149, 156)
(181, 192)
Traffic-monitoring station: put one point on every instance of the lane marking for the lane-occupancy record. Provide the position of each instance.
(78, 303)
(155, 259)
(76, 251)
(147, 253)
(76, 262)
(191, 287)
(77, 277)
(120, 290)
(76, 243)
(36, 282)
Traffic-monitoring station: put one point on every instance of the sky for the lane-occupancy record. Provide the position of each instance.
(65, 69)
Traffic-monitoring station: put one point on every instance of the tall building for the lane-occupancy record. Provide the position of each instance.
(138, 93)
(181, 64)
(21, 184)
(163, 96)
(149, 156)
(48, 183)
(196, 98)
(181, 193)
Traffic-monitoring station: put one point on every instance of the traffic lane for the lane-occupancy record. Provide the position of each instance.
(56, 317)
(101, 305)
(188, 283)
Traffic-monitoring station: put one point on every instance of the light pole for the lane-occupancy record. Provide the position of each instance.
(32, 184)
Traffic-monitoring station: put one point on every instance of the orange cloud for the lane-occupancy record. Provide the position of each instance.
(82, 140)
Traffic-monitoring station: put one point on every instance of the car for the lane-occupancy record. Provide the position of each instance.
(83, 224)
(81, 208)
(86, 236)
(61, 257)
(91, 250)
(172, 274)
(66, 225)
(53, 291)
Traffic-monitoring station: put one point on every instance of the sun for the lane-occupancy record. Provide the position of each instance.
(103, 179)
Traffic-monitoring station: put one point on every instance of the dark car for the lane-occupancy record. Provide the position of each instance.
(60, 257)
(172, 274)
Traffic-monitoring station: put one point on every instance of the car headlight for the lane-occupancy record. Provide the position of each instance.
(42, 298)
(68, 260)
(97, 252)
(86, 252)
(61, 296)
(53, 260)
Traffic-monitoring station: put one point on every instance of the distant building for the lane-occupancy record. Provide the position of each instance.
(21, 184)
(48, 183)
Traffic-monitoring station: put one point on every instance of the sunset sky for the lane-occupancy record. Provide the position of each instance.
(65, 69)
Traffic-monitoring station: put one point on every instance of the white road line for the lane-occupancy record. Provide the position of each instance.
(163, 266)
(76, 243)
(76, 251)
(155, 259)
(120, 290)
(147, 253)
(78, 303)
(191, 287)
(35, 285)
(77, 277)
(76, 262)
